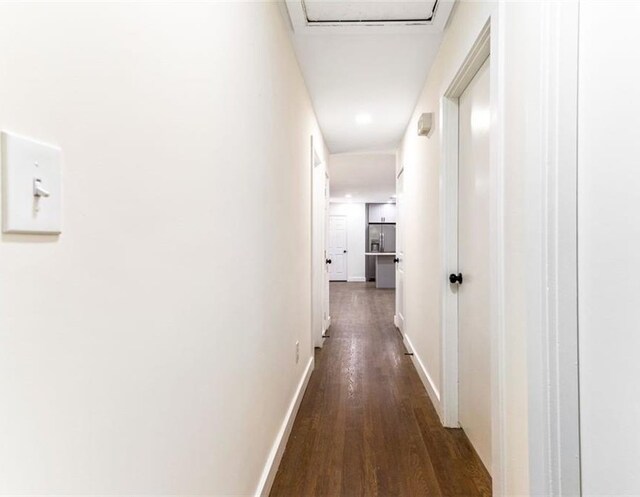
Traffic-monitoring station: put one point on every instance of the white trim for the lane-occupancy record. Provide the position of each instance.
(427, 381)
(357, 279)
(554, 418)
(277, 450)
(497, 254)
(471, 64)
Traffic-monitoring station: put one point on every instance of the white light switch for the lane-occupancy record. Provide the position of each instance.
(32, 186)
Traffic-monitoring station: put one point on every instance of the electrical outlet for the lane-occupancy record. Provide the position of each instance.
(297, 352)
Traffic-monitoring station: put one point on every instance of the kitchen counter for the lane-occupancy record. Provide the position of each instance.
(385, 269)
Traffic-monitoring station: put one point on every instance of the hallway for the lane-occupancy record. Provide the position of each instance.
(224, 223)
(366, 425)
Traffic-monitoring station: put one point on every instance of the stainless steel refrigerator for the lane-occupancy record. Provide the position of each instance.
(382, 237)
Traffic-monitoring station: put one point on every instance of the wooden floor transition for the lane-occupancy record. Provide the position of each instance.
(366, 426)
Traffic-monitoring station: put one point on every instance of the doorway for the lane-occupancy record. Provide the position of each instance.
(468, 367)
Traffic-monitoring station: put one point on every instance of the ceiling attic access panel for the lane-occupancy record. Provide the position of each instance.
(350, 11)
(368, 16)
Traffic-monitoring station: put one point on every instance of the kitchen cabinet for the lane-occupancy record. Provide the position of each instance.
(385, 268)
(382, 213)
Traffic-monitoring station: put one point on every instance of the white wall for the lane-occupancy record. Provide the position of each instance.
(356, 237)
(367, 177)
(609, 247)
(150, 349)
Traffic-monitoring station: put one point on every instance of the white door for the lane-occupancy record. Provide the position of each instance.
(474, 364)
(338, 248)
(609, 247)
(399, 215)
(320, 318)
(326, 321)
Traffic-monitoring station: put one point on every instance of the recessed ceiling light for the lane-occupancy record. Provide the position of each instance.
(348, 195)
(363, 118)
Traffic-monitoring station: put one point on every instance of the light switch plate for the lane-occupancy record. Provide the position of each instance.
(26, 163)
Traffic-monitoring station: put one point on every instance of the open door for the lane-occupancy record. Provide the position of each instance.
(327, 272)
(472, 280)
(399, 259)
(320, 316)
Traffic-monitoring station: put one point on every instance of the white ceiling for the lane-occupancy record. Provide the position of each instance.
(366, 177)
(377, 70)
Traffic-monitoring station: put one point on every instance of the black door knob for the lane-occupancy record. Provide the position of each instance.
(396, 260)
(328, 261)
(455, 278)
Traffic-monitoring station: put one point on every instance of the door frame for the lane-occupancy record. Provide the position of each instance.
(346, 236)
(551, 279)
(554, 414)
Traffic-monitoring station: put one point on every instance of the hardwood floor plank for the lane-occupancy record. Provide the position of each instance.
(366, 426)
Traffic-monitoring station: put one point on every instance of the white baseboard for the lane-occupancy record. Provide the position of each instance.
(357, 279)
(427, 381)
(275, 455)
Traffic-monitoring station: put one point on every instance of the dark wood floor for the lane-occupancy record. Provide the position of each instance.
(366, 426)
